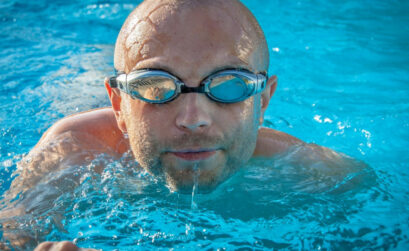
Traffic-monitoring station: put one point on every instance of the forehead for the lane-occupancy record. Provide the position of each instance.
(200, 38)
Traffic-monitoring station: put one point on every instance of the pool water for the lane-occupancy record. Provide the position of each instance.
(343, 70)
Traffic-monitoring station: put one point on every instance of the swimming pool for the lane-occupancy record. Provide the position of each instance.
(343, 70)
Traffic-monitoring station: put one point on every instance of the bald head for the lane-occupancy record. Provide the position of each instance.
(192, 28)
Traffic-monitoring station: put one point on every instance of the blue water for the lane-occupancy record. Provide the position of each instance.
(343, 70)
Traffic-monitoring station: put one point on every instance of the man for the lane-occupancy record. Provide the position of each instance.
(189, 98)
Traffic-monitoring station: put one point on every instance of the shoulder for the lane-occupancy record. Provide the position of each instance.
(74, 140)
(271, 142)
(94, 129)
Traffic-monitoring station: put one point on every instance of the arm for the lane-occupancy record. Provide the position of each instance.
(62, 245)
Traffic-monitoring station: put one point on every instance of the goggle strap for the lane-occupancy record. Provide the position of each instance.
(261, 82)
(113, 82)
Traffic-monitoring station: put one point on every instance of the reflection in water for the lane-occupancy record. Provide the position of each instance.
(271, 203)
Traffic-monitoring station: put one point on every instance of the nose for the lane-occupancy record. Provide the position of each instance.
(193, 113)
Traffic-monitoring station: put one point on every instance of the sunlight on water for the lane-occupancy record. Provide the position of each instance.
(124, 206)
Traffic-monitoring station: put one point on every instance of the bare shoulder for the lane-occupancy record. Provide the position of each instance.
(99, 124)
(74, 140)
(271, 142)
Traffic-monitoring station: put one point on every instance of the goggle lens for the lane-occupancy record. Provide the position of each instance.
(228, 88)
(156, 89)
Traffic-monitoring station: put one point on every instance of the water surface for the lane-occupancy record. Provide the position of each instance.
(343, 83)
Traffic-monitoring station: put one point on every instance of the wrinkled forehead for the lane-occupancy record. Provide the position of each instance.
(196, 33)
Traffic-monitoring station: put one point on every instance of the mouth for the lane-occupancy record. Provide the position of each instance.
(194, 155)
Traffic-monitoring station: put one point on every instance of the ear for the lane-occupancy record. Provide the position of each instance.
(266, 96)
(115, 98)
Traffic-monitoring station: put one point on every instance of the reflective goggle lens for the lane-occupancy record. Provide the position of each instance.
(156, 89)
(228, 88)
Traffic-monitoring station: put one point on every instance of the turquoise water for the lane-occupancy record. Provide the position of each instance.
(343, 70)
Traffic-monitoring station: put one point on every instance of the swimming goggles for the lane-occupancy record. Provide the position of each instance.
(158, 86)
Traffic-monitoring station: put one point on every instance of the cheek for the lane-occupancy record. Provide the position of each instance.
(146, 118)
(245, 135)
(146, 130)
(243, 114)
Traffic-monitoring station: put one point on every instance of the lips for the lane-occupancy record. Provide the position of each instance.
(194, 155)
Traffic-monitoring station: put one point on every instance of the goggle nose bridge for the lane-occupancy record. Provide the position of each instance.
(187, 89)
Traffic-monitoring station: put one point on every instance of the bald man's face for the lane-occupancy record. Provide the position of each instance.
(192, 137)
